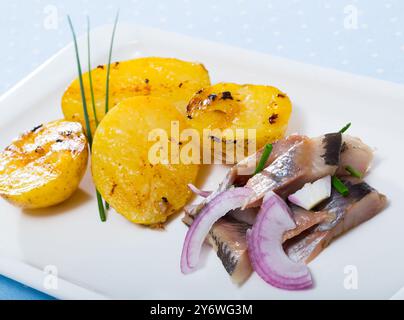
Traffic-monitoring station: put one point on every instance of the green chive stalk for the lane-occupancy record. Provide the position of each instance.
(264, 158)
(85, 111)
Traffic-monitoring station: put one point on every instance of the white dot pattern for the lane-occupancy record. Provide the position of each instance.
(359, 36)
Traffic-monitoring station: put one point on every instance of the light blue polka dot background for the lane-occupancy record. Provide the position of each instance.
(362, 36)
(359, 36)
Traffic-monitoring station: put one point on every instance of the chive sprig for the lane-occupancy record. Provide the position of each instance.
(340, 186)
(101, 208)
(107, 206)
(353, 172)
(109, 63)
(90, 77)
(344, 129)
(264, 158)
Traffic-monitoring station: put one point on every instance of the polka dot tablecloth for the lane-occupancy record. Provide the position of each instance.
(359, 36)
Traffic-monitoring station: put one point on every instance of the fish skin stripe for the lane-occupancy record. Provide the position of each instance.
(338, 204)
(332, 144)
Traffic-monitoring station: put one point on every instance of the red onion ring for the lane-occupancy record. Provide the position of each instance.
(218, 207)
(266, 253)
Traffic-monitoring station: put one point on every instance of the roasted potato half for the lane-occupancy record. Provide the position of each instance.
(124, 169)
(172, 79)
(229, 106)
(44, 166)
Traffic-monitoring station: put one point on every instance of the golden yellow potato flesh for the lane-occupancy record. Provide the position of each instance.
(44, 166)
(134, 185)
(172, 79)
(232, 106)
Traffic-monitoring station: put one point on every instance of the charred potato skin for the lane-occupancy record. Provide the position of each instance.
(168, 78)
(44, 166)
(144, 193)
(232, 106)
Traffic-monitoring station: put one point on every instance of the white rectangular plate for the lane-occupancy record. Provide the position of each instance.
(121, 260)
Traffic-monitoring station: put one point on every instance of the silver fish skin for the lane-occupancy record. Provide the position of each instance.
(228, 239)
(307, 161)
(362, 204)
(240, 173)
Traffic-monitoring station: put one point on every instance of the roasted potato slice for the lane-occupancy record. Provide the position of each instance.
(143, 191)
(172, 79)
(44, 166)
(229, 106)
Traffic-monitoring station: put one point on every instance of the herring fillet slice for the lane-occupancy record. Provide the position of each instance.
(228, 239)
(304, 220)
(240, 173)
(307, 161)
(222, 204)
(352, 152)
(362, 204)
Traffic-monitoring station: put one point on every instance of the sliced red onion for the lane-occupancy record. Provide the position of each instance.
(218, 207)
(265, 249)
(199, 192)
